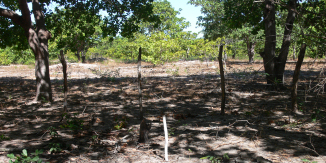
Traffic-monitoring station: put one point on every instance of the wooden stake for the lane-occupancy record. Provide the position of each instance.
(296, 78)
(140, 96)
(65, 85)
(166, 139)
(220, 62)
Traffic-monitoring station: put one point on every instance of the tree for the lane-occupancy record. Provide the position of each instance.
(123, 17)
(238, 13)
(76, 32)
(169, 22)
(213, 23)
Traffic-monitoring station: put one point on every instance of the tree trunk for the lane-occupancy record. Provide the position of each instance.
(281, 59)
(294, 57)
(83, 57)
(77, 55)
(38, 41)
(251, 51)
(270, 41)
(296, 78)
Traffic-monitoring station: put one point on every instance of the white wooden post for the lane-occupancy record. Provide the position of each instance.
(166, 139)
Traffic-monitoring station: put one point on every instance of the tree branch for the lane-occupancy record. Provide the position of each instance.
(25, 13)
(11, 15)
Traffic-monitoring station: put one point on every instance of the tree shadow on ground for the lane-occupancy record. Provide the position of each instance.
(266, 127)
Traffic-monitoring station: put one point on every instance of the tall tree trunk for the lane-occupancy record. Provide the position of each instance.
(281, 59)
(270, 41)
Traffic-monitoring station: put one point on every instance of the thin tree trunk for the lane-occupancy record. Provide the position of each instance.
(65, 85)
(251, 51)
(270, 41)
(140, 96)
(281, 59)
(222, 79)
(77, 55)
(296, 78)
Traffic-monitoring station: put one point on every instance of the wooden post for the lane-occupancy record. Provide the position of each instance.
(166, 139)
(222, 79)
(296, 78)
(140, 96)
(65, 86)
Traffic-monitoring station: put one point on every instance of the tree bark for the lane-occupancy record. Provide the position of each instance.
(270, 41)
(281, 59)
(77, 55)
(294, 57)
(251, 51)
(38, 42)
(222, 79)
(296, 78)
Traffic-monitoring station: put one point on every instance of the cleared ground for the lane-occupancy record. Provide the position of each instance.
(258, 125)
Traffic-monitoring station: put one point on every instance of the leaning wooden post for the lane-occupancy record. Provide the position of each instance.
(296, 78)
(140, 96)
(65, 86)
(222, 79)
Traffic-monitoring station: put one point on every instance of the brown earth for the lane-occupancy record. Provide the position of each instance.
(102, 97)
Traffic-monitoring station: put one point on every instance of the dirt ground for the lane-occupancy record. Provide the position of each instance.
(104, 126)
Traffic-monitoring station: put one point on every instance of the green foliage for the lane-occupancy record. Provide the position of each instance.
(55, 147)
(3, 137)
(25, 158)
(53, 132)
(73, 123)
(120, 122)
(308, 161)
(216, 159)
(316, 115)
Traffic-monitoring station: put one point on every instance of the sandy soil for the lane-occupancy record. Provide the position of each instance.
(257, 127)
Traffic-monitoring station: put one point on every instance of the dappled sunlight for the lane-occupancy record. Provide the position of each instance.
(257, 124)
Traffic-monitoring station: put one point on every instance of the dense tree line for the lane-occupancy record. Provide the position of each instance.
(274, 29)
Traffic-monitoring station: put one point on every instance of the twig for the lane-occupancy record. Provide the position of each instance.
(84, 109)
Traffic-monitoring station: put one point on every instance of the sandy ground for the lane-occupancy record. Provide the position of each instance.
(257, 126)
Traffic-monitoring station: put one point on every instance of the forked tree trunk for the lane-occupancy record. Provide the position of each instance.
(275, 67)
(38, 41)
